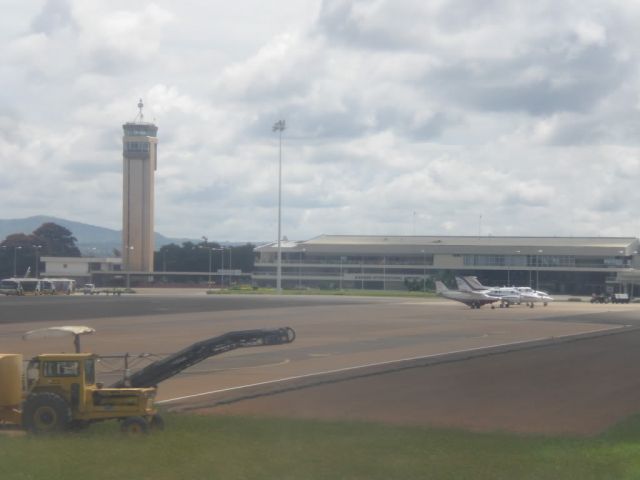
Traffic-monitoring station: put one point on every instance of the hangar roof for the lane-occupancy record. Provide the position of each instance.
(464, 245)
(489, 241)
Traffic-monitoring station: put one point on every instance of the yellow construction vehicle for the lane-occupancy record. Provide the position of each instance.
(59, 392)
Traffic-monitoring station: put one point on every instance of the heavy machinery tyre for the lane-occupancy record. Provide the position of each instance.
(46, 412)
(134, 426)
(156, 424)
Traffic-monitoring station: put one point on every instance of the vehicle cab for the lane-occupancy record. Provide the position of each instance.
(73, 377)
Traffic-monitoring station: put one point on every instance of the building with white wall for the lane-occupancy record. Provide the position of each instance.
(79, 268)
(579, 265)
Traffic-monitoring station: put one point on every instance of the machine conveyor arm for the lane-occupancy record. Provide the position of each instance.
(170, 366)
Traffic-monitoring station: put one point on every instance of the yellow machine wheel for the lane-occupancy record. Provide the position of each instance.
(134, 426)
(46, 412)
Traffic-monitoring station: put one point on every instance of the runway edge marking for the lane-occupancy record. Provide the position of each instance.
(536, 342)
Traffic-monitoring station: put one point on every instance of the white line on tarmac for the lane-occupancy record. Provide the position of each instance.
(357, 367)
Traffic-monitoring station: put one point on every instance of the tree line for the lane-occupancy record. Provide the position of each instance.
(20, 253)
(203, 257)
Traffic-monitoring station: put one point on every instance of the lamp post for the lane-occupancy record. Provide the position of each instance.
(538, 271)
(4, 253)
(206, 245)
(164, 263)
(221, 250)
(279, 126)
(129, 251)
(508, 271)
(37, 247)
(424, 271)
(15, 259)
(384, 272)
(300, 268)
(221, 266)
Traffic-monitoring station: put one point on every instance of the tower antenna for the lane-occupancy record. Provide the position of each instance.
(140, 114)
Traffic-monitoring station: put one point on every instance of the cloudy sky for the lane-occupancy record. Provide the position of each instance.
(403, 116)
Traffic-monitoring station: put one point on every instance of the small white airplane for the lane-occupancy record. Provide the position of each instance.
(527, 295)
(471, 299)
(534, 296)
(508, 296)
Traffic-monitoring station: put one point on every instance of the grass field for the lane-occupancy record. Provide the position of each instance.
(197, 447)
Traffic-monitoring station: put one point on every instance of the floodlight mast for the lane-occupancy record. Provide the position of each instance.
(279, 126)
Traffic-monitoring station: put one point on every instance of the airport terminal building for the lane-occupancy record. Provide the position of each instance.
(561, 265)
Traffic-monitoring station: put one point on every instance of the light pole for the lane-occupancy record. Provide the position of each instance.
(221, 266)
(221, 250)
(206, 245)
(279, 126)
(37, 247)
(300, 268)
(538, 271)
(164, 264)
(129, 252)
(15, 259)
(517, 262)
(384, 272)
(4, 253)
(424, 271)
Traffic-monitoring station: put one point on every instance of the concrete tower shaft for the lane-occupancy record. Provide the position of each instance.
(140, 159)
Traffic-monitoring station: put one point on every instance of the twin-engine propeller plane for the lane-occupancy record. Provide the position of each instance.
(471, 299)
(508, 296)
(528, 296)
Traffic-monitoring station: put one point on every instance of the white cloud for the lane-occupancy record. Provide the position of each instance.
(524, 113)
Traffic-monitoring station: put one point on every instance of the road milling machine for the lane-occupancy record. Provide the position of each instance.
(59, 392)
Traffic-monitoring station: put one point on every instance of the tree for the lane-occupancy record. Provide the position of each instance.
(17, 254)
(56, 240)
(192, 257)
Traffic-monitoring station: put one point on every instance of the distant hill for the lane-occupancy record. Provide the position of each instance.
(92, 240)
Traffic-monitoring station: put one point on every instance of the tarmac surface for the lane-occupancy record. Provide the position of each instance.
(567, 368)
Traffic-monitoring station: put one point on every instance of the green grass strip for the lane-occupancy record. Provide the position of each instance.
(211, 447)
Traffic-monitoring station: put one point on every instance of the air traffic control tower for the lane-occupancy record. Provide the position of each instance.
(140, 160)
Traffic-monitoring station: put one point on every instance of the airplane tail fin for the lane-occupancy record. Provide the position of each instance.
(463, 284)
(474, 283)
(441, 287)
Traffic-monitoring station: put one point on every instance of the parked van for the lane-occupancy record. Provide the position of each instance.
(11, 286)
